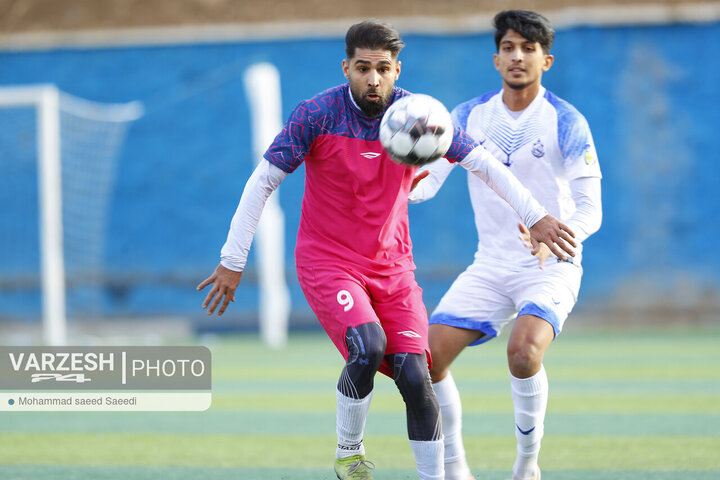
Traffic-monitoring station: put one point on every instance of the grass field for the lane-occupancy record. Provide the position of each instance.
(637, 405)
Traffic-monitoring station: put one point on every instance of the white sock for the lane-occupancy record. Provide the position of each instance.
(429, 459)
(456, 467)
(530, 396)
(351, 415)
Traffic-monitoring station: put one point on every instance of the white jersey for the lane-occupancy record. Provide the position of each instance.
(545, 147)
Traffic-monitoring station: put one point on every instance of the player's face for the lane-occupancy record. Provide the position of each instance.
(520, 62)
(372, 75)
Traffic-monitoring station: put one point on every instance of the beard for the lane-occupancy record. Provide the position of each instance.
(371, 108)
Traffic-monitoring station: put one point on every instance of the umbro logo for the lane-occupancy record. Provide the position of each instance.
(370, 155)
(410, 333)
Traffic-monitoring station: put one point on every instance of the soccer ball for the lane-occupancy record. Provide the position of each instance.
(416, 129)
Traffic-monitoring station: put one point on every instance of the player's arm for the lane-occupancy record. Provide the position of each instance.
(226, 277)
(544, 228)
(584, 222)
(587, 218)
(426, 185)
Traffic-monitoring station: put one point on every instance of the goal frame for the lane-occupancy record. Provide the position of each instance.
(45, 99)
(48, 102)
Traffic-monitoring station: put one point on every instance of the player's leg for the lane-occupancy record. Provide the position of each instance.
(471, 312)
(412, 378)
(398, 303)
(530, 338)
(342, 305)
(446, 343)
(366, 348)
(545, 298)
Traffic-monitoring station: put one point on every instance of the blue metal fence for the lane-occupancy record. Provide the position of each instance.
(648, 93)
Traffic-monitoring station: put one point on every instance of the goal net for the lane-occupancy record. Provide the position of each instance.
(58, 155)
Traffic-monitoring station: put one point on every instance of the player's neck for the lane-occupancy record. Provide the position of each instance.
(519, 99)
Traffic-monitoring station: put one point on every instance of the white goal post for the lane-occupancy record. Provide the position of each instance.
(50, 104)
(262, 86)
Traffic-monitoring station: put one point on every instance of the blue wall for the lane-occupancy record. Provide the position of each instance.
(649, 94)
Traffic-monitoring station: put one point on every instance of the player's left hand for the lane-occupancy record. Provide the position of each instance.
(539, 250)
(556, 235)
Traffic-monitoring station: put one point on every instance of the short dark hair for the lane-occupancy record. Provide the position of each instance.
(530, 25)
(374, 35)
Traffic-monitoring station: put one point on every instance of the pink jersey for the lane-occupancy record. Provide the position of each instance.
(354, 210)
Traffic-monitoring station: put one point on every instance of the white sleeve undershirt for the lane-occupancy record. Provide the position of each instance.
(429, 186)
(264, 180)
(267, 177)
(498, 177)
(588, 207)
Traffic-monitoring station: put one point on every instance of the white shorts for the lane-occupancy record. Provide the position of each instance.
(485, 297)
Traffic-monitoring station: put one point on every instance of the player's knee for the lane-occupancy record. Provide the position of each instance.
(412, 378)
(366, 346)
(440, 364)
(524, 359)
(438, 372)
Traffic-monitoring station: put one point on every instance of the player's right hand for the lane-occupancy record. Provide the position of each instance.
(224, 281)
(556, 235)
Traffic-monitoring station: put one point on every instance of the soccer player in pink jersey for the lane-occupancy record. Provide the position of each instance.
(353, 252)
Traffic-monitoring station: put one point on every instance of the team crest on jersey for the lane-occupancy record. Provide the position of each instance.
(538, 149)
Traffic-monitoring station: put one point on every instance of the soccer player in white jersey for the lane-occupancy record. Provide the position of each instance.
(546, 143)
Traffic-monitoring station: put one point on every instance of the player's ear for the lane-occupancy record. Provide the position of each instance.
(398, 64)
(346, 68)
(549, 60)
(496, 61)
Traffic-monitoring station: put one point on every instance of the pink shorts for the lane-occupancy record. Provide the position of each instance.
(342, 299)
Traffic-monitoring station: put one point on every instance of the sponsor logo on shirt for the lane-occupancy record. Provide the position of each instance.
(370, 155)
